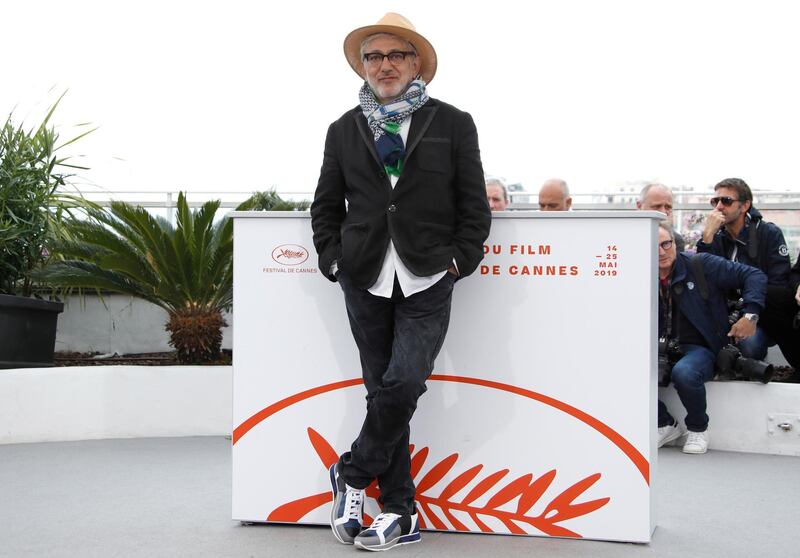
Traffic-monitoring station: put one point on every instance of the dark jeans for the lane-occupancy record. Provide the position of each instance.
(398, 340)
(689, 376)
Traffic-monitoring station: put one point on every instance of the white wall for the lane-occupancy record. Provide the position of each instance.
(125, 325)
(744, 416)
(117, 324)
(83, 403)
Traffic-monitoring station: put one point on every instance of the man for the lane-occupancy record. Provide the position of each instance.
(657, 197)
(399, 214)
(496, 194)
(554, 196)
(780, 321)
(735, 230)
(697, 319)
(795, 280)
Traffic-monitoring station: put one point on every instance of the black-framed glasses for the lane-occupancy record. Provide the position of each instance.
(727, 201)
(666, 245)
(395, 57)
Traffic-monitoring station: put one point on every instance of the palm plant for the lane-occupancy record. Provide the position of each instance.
(185, 269)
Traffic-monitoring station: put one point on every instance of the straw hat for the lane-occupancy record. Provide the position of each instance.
(394, 24)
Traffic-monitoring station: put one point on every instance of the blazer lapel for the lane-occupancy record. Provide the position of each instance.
(366, 134)
(419, 125)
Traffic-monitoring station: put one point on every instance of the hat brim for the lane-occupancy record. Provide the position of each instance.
(425, 51)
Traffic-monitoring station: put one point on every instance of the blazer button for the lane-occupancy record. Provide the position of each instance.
(381, 174)
(392, 208)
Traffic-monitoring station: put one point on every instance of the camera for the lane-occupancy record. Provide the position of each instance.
(735, 310)
(731, 365)
(669, 353)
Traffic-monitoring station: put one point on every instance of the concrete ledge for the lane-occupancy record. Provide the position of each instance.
(84, 403)
(745, 416)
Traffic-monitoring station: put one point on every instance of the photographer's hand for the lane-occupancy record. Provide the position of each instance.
(742, 329)
(714, 221)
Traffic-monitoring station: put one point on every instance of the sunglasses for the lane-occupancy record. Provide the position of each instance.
(727, 201)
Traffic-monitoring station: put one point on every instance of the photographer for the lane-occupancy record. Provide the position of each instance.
(735, 231)
(781, 319)
(693, 312)
(795, 279)
(657, 197)
(784, 326)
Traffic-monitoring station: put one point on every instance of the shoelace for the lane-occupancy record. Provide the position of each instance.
(381, 521)
(353, 503)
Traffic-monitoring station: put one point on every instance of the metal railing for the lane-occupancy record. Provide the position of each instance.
(684, 200)
(167, 199)
(782, 208)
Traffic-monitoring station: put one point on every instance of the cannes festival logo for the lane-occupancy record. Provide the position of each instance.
(525, 488)
(456, 495)
(289, 254)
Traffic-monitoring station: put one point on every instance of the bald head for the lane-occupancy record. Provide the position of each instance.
(656, 197)
(554, 196)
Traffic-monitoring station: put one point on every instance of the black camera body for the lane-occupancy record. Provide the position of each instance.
(735, 310)
(669, 353)
(731, 365)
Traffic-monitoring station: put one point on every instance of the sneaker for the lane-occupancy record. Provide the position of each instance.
(347, 508)
(697, 442)
(388, 530)
(670, 433)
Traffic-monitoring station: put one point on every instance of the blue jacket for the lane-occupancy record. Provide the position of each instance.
(710, 317)
(772, 254)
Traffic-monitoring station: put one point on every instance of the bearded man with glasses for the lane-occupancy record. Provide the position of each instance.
(399, 214)
(736, 231)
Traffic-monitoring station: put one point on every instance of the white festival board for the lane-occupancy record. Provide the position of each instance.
(540, 415)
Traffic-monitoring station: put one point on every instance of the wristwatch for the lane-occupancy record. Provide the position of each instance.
(752, 317)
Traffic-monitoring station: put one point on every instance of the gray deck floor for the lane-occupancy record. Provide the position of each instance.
(171, 497)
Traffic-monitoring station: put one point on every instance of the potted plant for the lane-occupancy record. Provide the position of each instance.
(34, 212)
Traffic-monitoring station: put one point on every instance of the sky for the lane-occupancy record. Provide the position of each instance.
(237, 96)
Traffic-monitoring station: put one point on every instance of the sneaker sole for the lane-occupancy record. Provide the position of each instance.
(405, 539)
(693, 452)
(335, 490)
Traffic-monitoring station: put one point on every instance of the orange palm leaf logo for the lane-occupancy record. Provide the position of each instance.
(525, 489)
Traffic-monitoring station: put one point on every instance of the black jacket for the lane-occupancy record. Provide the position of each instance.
(765, 239)
(436, 213)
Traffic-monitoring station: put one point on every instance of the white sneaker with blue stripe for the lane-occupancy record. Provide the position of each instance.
(388, 530)
(347, 508)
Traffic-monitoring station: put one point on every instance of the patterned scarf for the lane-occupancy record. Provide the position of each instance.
(385, 121)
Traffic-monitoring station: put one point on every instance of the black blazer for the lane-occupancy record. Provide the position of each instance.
(437, 212)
